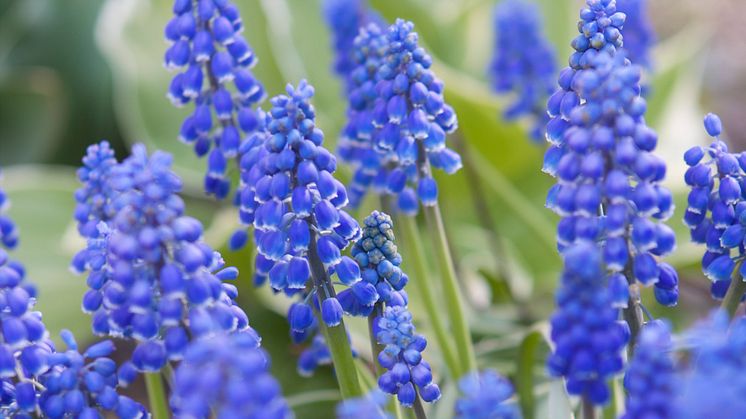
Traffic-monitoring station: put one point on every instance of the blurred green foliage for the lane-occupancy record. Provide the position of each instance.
(74, 72)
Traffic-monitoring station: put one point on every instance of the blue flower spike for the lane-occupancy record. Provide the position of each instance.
(484, 395)
(8, 229)
(523, 62)
(650, 378)
(227, 376)
(638, 31)
(370, 406)
(213, 62)
(408, 376)
(715, 211)
(151, 278)
(588, 337)
(397, 119)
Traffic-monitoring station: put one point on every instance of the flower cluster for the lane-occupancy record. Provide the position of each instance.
(716, 204)
(299, 223)
(214, 61)
(650, 377)
(151, 277)
(8, 231)
(93, 198)
(589, 340)
(524, 62)
(408, 118)
(228, 377)
(402, 358)
(345, 18)
(84, 385)
(639, 35)
(715, 384)
(608, 179)
(383, 280)
(484, 395)
(370, 406)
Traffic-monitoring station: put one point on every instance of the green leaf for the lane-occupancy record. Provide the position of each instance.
(525, 375)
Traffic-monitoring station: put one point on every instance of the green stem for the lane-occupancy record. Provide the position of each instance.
(336, 337)
(156, 395)
(419, 409)
(375, 347)
(425, 289)
(451, 289)
(736, 290)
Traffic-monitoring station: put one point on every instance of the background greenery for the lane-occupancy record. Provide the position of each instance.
(76, 71)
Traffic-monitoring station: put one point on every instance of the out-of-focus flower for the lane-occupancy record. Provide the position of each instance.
(650, 378)
(588, 337)
(524, 62)
(638, 32)
(484, 395)
(214, 62)
(370, 406)
(227, 376)
(8, 230)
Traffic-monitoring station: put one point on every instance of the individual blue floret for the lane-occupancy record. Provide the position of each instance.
(150, 276)
(588, 338)
(227, 376)
(523, 62)
(484, 395)
(214, 64)
(370, 406)
(715, 213)
(408, 375)
(650, 379)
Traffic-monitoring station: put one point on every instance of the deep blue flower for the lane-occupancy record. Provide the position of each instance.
(638, 32)
(93, 198)
(588, 337)
(484, 395)
(226, 376)
(299, 219)
(524, 62)
(214, 64)
(400, 114)
(345, 18)
(377, 262)
(715, 384)
(650, 378)
(151, 277)
(608, 179)
(370, 406)
(8, 230)
(407, 375)
(716, 208)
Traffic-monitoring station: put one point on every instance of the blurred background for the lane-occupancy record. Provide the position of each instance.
(77, 71)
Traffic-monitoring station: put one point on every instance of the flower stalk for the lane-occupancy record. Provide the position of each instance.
(735, 292)
(156, 395)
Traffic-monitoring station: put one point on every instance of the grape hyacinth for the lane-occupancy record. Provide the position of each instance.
(345, 18)
(226, 376)
(639, 35)
(214, 64)
(409, 118)
(370, 406)
(715, 212)
(378, 259)
(587, 336)
(93, 198)
(524, 62)
(8, 230)
(608, 179)
(407, 375)
(715, 384)
(650, 378)
(84, 385)
(299, 224)
(150, 275)
(484, 395)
